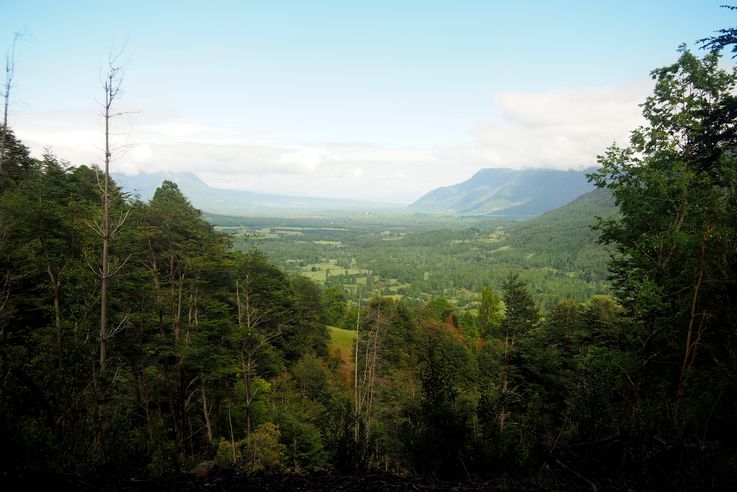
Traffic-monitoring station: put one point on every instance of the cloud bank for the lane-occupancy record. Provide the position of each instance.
(562, 129)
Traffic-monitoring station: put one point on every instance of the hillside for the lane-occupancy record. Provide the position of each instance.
(564, 235)
(570, 222)
(506, 193)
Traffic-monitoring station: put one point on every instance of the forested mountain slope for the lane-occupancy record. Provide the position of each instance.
(566, 230)
(506, 193)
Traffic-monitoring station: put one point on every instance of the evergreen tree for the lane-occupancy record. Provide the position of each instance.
(490, 312)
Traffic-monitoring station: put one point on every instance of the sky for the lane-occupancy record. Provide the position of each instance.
(370, 100)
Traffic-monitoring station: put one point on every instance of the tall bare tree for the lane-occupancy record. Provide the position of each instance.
(112, 86)
(356, 399)
(7, 87)
(366, 388)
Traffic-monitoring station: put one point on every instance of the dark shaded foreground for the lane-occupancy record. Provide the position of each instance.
(229, 481)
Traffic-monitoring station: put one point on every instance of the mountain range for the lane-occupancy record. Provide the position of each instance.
(504, 193)
(228, 201)
(507, 193)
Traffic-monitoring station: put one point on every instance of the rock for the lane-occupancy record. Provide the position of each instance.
(204, 470)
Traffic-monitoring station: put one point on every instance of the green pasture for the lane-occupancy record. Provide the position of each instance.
(342, 341)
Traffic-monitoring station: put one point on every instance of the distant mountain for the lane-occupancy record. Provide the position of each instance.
(225, 201)
(506, 193)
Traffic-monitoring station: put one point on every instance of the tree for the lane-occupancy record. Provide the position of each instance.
(313, 335)
(45, 209)
(18, 162)
(19, 159)
(112, 86)
(266, 320)
(48, 320)
(520, 315)
(490, 312)
(442, 420)
(675, 271)
(333, 306)
(8, 86)
(726, 37)
(182, 257)
(440, 309)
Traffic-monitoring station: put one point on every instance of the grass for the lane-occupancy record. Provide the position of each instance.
(318, 276)
(319, 272)
(337, 244)
(342, 341)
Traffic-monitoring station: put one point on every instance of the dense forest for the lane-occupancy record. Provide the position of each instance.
(207, 356)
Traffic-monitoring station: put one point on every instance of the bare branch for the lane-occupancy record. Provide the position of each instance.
(5, 291)
(119, 267)
(120, 326)
(112, 84)
(10, 60)
(94, 225)
(98, 273)
(120, 222)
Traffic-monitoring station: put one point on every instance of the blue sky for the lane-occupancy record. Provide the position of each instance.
(372, 100)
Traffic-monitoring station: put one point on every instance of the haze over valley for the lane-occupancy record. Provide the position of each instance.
(500, 192)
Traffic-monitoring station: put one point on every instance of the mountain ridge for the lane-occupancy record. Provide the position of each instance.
(231, 201)
(506, 192)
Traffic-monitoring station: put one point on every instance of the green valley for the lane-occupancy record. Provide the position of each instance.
(416, 257)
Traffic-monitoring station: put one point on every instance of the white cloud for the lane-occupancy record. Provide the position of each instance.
(560, 129)
(563, 129)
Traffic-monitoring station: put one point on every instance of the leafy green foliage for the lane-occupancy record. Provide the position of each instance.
(490, 312)
(674, 272)
(259, 451)
(442, 428)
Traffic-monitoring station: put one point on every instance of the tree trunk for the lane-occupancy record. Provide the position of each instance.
(505, 386)
(205, 409)
(356, 400)
(693, 336)
(9, 74)
(55, 284)
(112, 88)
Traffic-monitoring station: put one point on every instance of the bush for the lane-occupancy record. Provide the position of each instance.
(259, 451)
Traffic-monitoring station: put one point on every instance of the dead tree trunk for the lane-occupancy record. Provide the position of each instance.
(111, 86)
(106, 229)
(9, 75)
(505, 386)
(205, 409)
(357, 407)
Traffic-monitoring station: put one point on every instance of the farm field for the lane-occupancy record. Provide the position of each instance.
(416, 257)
